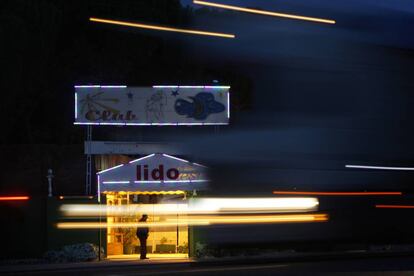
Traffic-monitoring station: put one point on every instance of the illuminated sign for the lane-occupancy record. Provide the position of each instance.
(154, 172)
(157, 105)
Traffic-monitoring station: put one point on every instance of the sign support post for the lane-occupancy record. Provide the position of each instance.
(88, 189)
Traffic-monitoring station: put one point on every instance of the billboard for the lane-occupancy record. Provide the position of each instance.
(156, 105)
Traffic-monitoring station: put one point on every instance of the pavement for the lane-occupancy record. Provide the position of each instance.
(180, 263)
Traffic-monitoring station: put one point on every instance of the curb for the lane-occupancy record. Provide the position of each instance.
(85, 266)
(302, 258)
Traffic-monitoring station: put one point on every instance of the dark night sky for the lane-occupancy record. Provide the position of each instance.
(324, 95)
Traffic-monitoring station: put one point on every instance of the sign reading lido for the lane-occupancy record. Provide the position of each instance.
(154, 172)
(157, 105)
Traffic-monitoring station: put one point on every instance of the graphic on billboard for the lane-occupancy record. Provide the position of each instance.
(157, 105)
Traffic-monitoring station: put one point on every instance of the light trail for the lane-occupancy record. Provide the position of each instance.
(201, 220)
(255, 219)
(395, 206)
(160, 28)
(262, 12)
(13, 198)
(97, 225)
(256, 205)
(337, 193)
(379, 168)
(199, 206)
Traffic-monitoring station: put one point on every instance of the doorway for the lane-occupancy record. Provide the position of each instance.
(167, 237)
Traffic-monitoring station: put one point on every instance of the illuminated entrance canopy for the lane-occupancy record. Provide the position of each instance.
(154, 172)
(157, 105)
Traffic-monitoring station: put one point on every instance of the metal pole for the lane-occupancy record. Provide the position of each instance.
(100, 234)
(49, 180)
(178, 231)
(88, 188)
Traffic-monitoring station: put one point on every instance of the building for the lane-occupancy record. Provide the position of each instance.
(137, 177)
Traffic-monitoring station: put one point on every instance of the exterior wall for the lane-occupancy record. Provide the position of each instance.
(56, 238)
(23, 227)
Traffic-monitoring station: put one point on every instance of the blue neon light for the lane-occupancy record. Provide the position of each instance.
(176, 158)
(148, 124)
(76, 105)
(110, 169)
(193, 86)
(142, 158)
(100, 86)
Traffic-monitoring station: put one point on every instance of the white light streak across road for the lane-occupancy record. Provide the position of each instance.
(201, 206)
(201, 220)
(379, 168)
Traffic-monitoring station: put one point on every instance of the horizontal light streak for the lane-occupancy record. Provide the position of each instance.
(75, 197)
(113, 86)
(262, 12)
(158, 86)
(395, 206)
(200, 220)
(97, 225)
(155, 181)
(12, 198)
(200, 206)
(147, 124)
(160, 28)
(192, 86)
(240, 205)
(123, 210)
(115, 182)
(186, 181)
(100, 86)
(147, 181)
(178, 192)
(380, 168)
(253, 219)
(337, 193)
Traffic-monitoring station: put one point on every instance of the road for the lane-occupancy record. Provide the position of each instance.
(364, 266)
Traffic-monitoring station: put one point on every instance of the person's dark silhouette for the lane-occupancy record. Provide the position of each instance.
(142, 234)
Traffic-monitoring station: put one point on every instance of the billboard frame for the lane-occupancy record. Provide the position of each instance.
(153, 124)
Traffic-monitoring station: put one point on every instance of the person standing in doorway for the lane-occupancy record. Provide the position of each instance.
(142, 234)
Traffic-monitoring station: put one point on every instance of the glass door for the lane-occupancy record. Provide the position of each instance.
(167, 237)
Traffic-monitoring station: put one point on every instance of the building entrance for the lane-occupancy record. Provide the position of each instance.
(167, 237)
